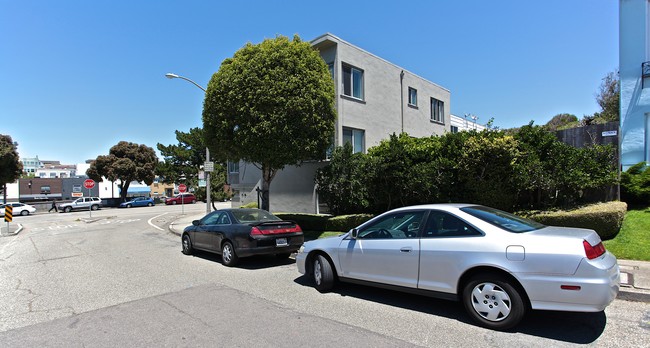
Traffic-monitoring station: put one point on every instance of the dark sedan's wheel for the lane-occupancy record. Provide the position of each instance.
(67, 209)
(187, 245)
(322, 274)
(149, 204)
(493, 302)
(228, 255)
(24, 213)
(94, 207)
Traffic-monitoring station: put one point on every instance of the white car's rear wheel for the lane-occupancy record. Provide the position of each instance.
(493, 302)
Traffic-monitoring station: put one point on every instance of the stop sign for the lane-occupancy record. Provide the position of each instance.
(88, 183)
(182, 188)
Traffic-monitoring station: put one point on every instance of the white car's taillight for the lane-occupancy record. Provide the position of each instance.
(593, 251)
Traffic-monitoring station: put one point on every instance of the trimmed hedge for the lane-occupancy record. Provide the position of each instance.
(604, 218)
(249, 205)
(345, 223)
(314, 222)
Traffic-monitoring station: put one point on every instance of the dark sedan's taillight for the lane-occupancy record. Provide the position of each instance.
(594, 251)
(256, 231)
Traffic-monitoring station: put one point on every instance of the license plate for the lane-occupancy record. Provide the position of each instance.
(281, 242)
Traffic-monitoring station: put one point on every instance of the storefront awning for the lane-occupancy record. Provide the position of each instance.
(139, 189)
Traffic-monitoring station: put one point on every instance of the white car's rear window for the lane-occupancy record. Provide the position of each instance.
(501, 219)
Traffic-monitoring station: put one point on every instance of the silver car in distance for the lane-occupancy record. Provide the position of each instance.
(498, 264)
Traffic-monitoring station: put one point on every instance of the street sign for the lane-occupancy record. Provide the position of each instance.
(9, 213)
(208, 166)
(182, 188)
(88, 183)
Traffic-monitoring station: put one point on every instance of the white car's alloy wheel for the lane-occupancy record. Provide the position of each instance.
(491, 302)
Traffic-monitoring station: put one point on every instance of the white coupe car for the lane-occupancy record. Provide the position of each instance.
(498, 264)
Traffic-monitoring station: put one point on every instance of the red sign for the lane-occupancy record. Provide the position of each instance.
(88, 183)
(182, 188)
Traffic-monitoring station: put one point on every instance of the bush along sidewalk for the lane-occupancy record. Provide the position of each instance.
(604, 218)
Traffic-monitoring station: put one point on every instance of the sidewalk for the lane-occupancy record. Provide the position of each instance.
(635, 280)
(176, 227)
(14, 228)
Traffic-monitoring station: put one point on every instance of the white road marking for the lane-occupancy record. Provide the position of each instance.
(154, 226)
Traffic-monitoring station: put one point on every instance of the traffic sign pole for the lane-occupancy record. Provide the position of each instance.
(182, 188)
(89, 184)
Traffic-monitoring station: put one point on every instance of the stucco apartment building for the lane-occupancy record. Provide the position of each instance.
(374, 99)
(634, 69)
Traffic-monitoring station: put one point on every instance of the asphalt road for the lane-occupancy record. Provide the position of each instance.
(121, 280)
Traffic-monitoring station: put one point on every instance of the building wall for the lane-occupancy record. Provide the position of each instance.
(36, 192)
(635, 101)
(73, 188)
(383, 110)
(464, 124)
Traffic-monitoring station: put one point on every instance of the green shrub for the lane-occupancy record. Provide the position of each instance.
(635, 185)
(314, 222)
(308, 222)
(604, 218)
(345, 223)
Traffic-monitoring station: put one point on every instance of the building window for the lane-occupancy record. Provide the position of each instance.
(454, 129)
(437, 110)
(352, 82)
(413, 96)
(233, 167)
(356, 137)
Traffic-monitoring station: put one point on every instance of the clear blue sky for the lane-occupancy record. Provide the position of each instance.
(79, 76)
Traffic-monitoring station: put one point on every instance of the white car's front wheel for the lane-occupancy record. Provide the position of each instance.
(322, 274)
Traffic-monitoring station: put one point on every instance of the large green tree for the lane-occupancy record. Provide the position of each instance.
(125, 162)
(10, 166)
(185, 159)
(271, 104)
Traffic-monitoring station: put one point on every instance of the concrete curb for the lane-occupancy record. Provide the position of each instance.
(10, 233)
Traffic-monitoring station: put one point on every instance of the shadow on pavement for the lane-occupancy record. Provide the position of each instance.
(249, 263)
(580, 328)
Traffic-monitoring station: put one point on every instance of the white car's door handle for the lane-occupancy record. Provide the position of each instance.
(406, 249)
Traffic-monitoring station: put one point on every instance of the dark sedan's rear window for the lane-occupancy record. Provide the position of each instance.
(501, 219)
(253, 215)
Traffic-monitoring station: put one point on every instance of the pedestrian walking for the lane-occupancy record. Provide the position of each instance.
(53, 207)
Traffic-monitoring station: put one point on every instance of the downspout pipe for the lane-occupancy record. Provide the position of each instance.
(401, 90)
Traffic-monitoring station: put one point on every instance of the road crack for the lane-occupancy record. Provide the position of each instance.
(185, 313)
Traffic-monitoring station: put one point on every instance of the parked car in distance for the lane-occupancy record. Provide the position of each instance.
(498, 264)
(183, 198)
(19, 209)
(82, 203)
(138, 202)
(236, 233)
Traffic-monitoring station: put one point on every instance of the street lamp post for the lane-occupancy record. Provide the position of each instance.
(207, 151)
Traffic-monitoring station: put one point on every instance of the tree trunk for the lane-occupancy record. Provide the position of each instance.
(267, 176)
(125, 190)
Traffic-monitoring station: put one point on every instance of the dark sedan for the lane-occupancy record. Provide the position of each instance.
(236, 233)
